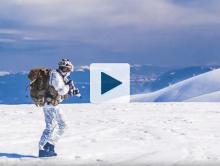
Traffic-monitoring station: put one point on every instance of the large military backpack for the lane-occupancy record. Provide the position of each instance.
(40, 90)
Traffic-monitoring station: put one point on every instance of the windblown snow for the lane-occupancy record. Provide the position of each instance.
(156, 134)
(204, 87)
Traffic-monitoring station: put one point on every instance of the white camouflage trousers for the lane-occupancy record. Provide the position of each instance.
(55, 125)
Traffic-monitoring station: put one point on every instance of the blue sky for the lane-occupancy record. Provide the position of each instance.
(159, 32)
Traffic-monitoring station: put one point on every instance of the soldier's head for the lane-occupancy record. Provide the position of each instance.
(65, 66)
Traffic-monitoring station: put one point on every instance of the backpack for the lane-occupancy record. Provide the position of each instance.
(40, 90)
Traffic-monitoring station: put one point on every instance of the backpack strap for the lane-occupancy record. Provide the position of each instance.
(58, 71)
(53, 97)
(61, 75)
(32, 82)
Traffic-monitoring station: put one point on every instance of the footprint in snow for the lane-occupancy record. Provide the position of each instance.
(99, 160)
(77, 157)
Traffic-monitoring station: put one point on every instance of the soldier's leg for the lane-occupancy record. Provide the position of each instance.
(50, 120)
(61, 125)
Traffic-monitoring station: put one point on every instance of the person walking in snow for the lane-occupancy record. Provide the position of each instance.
(55, 124)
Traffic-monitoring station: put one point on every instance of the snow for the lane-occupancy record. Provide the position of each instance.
(4, 73)
(185, 90)
(82, 68)
(211, 97)
(156, 134)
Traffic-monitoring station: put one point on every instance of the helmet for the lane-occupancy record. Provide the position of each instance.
(66, 66)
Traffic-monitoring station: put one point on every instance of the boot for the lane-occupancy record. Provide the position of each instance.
(49, 147)
(44, 153)
(48, 151)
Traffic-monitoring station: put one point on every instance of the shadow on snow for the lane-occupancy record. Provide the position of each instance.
(15, 155)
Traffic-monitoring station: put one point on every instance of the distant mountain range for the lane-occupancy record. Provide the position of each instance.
(144, 79)
(14, 87)
(204, 87)
(176, 75)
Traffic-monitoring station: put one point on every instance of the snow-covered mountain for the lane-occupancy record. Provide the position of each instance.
(4, 73)
(175, 75)
(13, 86)
(210, 97)
(198, 88)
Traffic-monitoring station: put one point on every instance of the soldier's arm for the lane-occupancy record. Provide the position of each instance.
(57, 82)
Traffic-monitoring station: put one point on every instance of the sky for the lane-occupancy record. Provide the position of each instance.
(36, 33)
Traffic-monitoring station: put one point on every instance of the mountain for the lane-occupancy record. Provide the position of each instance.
(176, 75)
(4, 73)
(14, 86)
(210, 97)
(194, 87)
(144, 78)
(142, 74)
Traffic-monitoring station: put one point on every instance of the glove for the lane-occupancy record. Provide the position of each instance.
(74, 92)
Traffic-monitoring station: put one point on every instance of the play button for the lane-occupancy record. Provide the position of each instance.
(108, 83)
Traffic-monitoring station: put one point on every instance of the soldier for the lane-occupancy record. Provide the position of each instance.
(55, 124)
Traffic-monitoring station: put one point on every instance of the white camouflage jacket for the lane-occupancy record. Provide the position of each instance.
(58, 83)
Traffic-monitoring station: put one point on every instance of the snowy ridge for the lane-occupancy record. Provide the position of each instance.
(211, 97)
(200, 85)
(4, 73)
(144, 78)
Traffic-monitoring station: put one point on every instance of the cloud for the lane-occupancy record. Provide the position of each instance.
(116, 25)
(5, 40)
(113, 13)
(85, 19)
(93, 21)
(9, 31)
(97, 28)
(91, 15)
(82, 68)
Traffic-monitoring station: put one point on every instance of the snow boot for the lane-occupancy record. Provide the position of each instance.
(49, 147)
(44, 153)
(48, 151)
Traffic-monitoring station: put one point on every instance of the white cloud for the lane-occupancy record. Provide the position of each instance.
(105, 22)
(9, 31)
(5, 40)
(113, 13)
(82, 68)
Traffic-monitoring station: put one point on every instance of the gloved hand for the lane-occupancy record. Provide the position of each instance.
(74, 92)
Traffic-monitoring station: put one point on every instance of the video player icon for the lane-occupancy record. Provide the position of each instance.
(110, 83)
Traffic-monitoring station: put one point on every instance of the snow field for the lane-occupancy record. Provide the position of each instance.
(156, 134)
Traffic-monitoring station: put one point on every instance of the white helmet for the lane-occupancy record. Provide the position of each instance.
(66, 66)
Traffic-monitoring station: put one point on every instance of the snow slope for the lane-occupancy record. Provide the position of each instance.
(153, 134)
(185, 90)
(210, 97)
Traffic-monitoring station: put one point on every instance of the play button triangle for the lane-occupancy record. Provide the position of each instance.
(108, 83)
